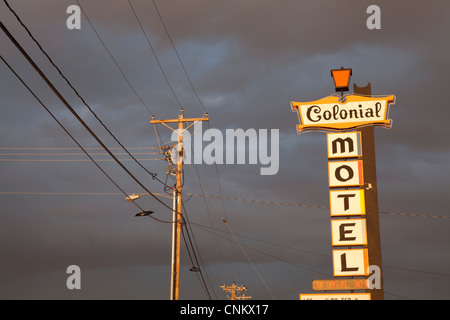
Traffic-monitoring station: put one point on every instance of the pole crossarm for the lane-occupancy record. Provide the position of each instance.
(234, 290)
(179, 120)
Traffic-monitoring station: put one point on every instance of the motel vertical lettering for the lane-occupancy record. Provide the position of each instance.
(347, 173)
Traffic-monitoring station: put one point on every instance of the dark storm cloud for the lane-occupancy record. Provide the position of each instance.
(247, 60)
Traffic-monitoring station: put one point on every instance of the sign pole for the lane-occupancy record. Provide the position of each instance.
(371, 197)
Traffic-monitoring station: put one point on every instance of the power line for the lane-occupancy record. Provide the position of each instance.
(420, 271)
(201, 226)
(195, 92)
(262, 201)
(197, 176)
(115, 61)
(71, 160)
(38, 70)
(71, 154)
(178, 56)
(262, 241)
(194, 249)
(257, 201)
(415, 215)
(73, 193)
(261, 252)
(244, 252)
(189, 248)
(62, 148)
(316, 206)
(62, 126)
(153, 175)
(175, 96)
(154, 54)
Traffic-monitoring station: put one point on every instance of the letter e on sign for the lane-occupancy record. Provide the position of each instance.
(348, 232)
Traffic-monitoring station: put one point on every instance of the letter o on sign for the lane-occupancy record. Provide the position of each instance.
(345, 173)
(349, 173)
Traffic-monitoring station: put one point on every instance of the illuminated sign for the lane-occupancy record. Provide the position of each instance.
(340, 284)
(348, 232)
(345, 173)
(344, 145)
(341, 116)
(333, 115)
(347, 202)
(335, 296)
(350, 262)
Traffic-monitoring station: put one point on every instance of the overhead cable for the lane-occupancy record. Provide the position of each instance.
(178, 55)
(153, 175)
(68, 133)
(115, 61)
(63, 100)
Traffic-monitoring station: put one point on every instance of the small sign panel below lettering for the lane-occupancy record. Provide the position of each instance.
(340, 284)
(335, 296)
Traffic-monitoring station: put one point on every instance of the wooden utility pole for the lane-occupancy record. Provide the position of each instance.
(234, 289)
(371, 197)
(177, 197)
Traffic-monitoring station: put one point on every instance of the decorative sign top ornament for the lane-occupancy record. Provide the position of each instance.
(335, 113)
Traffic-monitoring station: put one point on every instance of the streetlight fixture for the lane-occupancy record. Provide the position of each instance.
(143, 214)
(132, 197)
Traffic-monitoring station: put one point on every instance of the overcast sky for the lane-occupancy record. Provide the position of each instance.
(247, 60)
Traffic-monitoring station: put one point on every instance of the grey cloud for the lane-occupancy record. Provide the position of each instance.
(247, 60)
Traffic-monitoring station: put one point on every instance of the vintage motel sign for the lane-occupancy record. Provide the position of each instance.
(331, 114)
(345, 173)
(335, 296)
(348, 232)
(352, 181)
(350, 262)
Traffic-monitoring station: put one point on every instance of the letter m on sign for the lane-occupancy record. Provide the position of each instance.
(344, 145)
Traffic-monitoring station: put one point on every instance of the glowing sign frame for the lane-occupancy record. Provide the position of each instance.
(333, 114)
